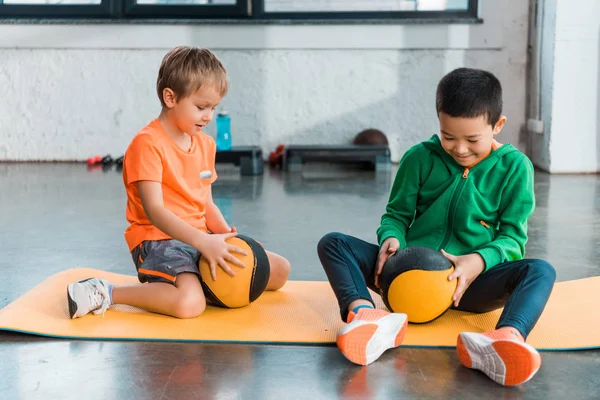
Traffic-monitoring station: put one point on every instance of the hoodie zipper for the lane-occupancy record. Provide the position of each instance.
(453, 204)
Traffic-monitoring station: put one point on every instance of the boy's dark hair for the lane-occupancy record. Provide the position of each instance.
(470, 93)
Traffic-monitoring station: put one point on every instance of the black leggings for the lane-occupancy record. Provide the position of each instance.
(521, 287)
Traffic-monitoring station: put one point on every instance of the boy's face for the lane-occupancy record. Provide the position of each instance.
(468, 140)
(192, 113)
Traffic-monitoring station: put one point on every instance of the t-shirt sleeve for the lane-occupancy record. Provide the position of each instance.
(143, 160)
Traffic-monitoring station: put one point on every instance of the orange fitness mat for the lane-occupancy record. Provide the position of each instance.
(300, 313)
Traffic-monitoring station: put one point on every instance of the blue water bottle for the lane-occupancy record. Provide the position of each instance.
(223, 131)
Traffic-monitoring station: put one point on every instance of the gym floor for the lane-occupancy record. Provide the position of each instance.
(59, 216)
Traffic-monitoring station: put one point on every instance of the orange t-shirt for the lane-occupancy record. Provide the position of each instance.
(185, 177)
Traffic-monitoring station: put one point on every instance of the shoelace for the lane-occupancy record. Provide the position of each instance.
(99, 298)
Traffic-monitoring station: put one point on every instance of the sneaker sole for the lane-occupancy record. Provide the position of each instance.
(72, 304)
(366, 342)
(507, 362)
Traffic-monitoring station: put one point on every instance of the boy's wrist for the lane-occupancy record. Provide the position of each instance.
(198, 239)
(479, 261)
(490, 256)
(390, 234)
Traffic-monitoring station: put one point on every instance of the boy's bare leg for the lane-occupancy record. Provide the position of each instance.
(280, 269)
(185, 299)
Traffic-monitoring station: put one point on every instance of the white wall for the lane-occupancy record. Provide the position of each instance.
(570, 88)
(70, 91)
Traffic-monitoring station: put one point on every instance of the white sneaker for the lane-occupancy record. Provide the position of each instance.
(88, 295)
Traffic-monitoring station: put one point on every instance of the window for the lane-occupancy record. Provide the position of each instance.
(366, 9)
(52, 1)
(363, 5)
(243, 9)
(186, 8)
(56, 8)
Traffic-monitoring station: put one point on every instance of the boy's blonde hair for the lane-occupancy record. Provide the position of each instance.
(186, 69)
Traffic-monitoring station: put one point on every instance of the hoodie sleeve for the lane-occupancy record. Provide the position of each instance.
(400, 210)
(516, 207)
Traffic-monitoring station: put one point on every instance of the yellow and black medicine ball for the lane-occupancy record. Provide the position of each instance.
(247, 284)
(414, 281)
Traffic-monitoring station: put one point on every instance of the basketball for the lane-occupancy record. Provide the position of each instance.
(371, 136)
(414, 281)
(247, 284)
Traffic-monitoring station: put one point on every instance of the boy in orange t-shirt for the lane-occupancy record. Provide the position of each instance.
(168, 170)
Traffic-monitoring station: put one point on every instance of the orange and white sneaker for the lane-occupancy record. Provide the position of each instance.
(502, 355)
(369, 333)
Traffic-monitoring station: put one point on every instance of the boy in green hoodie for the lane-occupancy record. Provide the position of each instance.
(470, 197)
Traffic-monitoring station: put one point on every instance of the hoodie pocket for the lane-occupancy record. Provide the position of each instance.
(488, 230)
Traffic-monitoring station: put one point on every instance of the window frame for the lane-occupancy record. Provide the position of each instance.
(201, 11)
(244, 11)
(258, 11)
(106, 9)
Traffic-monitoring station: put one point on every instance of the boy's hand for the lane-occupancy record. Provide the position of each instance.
(466, 269)
(388, 248)
(218, 252)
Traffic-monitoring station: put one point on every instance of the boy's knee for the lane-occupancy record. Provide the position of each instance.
(329, 241)
(189, 306)
(279, 274)
(544, 270)
(284, 268)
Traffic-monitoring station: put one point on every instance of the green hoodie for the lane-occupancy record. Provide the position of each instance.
(439, 204)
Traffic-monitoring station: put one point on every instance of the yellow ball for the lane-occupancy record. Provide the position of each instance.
(247, 284)
(414, 281)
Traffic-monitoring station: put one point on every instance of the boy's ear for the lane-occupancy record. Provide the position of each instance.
(169, 97)
(499, 124)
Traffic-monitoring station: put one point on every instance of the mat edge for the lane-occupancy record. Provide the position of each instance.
(265, 343)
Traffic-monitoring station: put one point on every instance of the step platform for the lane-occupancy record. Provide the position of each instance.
(248, 158)
(372, 157)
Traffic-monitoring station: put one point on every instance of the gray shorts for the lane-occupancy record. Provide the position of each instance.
(163, 260)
